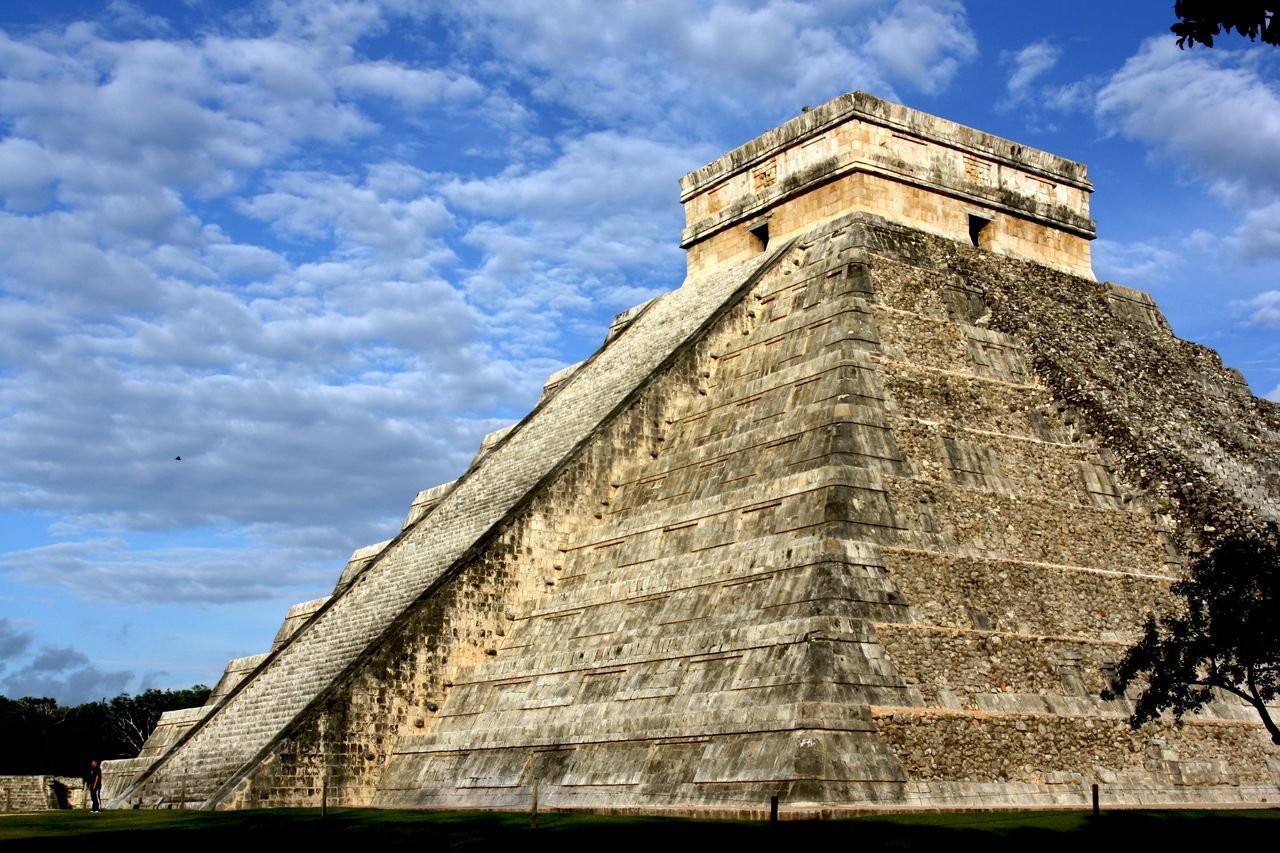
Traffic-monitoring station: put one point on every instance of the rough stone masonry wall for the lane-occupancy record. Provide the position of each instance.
(1042, 559)
(401, 685)
(1017, 748)
(40, 793)
(1165, 413)
(1179, 425)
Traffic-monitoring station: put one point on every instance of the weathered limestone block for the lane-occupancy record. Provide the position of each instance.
(40, 793)
(425, 501)
(359, 560)
(297, 616)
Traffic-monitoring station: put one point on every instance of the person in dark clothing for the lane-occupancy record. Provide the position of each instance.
(94, 782)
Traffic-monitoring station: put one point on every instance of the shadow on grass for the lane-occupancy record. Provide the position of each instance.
(1032, 832)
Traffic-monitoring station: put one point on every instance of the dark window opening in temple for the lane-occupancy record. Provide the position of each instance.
(976, 225)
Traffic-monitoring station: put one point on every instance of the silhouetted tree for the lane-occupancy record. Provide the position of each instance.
(1226, 635)
(1201, 20)
(37, 735)
(132, 718)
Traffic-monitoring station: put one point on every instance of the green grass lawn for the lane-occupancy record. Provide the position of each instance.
(1030, 832)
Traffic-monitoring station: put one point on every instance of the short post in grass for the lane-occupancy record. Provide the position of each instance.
(324, 792)
(533, 812)
(1095, 799)
(182, 796)
(773, 810)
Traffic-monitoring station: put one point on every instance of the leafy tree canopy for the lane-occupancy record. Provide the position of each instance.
(1201, 20)
(1226, 635)
(41, 736)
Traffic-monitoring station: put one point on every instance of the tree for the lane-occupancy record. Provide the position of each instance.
(132, 718)
(1226, 635)
(41, 736)
(1201, 20)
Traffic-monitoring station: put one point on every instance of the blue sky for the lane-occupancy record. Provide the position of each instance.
(319, 249)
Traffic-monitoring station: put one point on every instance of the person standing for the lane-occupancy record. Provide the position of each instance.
(94, 781)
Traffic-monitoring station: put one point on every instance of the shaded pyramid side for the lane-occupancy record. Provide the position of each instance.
(1039, 547)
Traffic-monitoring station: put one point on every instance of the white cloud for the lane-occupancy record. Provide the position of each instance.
(1263, 309)
(593, 175)
(586, 235)
(26, 174)
(923, 42)
(1026, 67)
(89, 112)
(663, 63)
(1214, 116)
(411, 86)
(1273, 395)
(1039, 102)
(125, 16)
(111, 570)
(63, 673)
(335, 24)
(1133, 263)
(1180, 102)
(1258, 235)
(314, 393)
(318, 205)
(1077, 96)
(234, 261)
(233, 247)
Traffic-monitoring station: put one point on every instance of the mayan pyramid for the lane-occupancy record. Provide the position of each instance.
(861, 515)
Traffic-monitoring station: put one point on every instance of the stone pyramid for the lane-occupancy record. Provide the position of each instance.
(860, 516)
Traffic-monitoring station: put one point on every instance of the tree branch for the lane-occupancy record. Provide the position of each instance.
(1262, 709)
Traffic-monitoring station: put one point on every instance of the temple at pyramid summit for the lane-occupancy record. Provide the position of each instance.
(861, 515)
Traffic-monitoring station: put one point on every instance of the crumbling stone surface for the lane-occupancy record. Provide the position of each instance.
(1027, 748)
(1030, 598)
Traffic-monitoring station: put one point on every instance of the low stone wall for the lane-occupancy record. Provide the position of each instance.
(40, 793)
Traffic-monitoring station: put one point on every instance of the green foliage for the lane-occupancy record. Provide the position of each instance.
(131, 718)
(41, 736)
(1201, 20)
(1225, 636)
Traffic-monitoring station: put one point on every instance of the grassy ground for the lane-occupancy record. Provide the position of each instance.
(1030, 832)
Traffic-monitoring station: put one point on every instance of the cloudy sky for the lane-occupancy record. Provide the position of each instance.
(319, 248)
